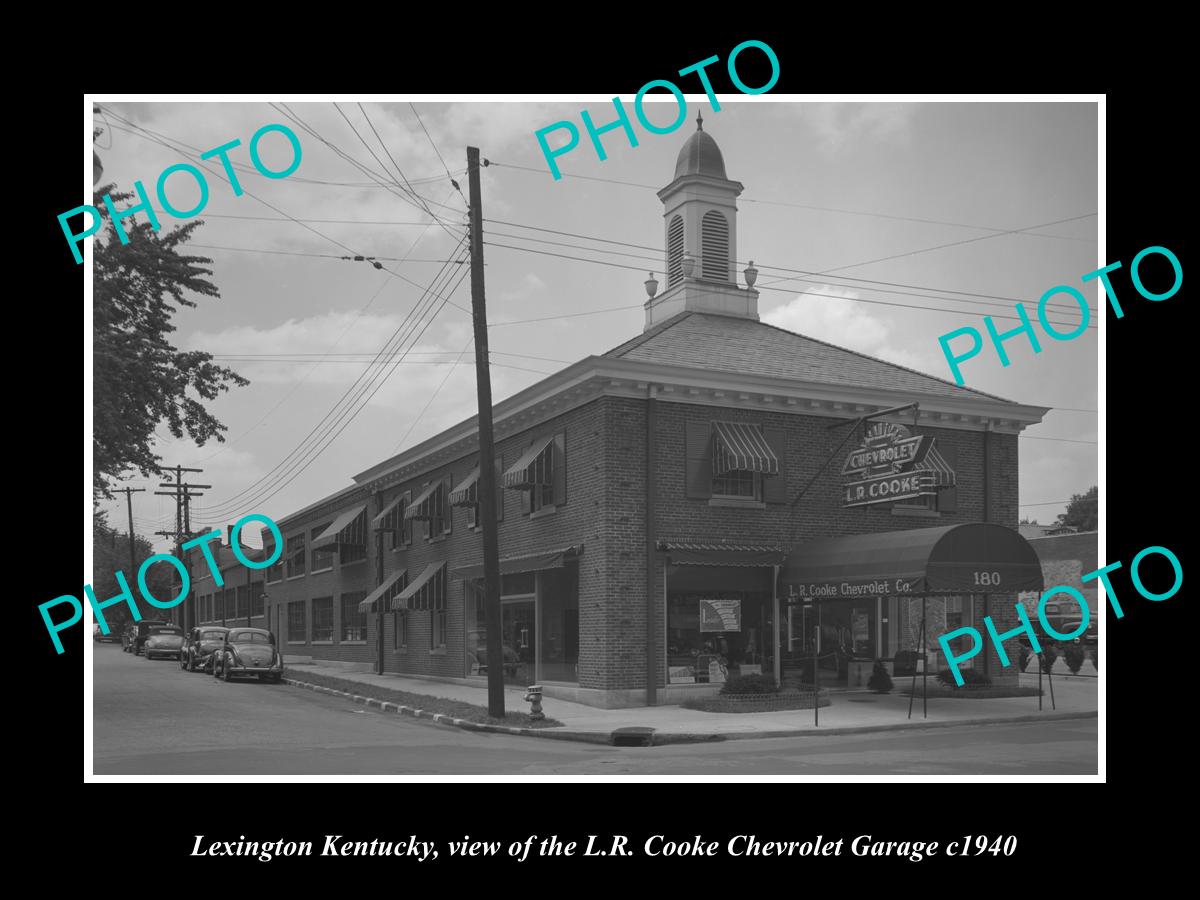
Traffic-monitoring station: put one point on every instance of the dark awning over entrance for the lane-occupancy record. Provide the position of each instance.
(687, 554)
(533, 562)
(947, 560)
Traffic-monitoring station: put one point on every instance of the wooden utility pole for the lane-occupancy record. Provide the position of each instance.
(487, 453)
(183, 493)
(129, 492)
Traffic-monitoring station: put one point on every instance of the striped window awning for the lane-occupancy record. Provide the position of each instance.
(940, 474)
(391, 585)
(345, 529)
(380, 521)
(467, 492)
(421, 508)
(527, 473)
(405, 599)
(741, 446)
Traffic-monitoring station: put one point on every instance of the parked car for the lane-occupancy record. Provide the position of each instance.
(1090, 636)
(249, 651)
(113, 636)
(135, 633)
(199, 647)
(163, 640)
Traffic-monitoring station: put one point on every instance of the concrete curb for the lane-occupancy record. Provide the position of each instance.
(660, 738)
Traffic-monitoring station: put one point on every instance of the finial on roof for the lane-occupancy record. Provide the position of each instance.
(699, 122)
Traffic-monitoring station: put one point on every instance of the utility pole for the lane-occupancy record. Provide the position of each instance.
(129, 492)
(183, 494)
(487, 452)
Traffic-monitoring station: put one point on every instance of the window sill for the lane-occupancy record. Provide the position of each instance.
(295, 643)
(736, 503)
(916, 512)
(294, 577)
(400, 650)
(353, 643)
(354, 562)
(322, 643)
(543, 512)
(276, 581)
(321, 571)
(437, 651)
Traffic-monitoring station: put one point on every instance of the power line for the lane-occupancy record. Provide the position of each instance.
(940, 309)
(317, 255)
(434, 395)
(1079, 499)
(433, 144)
(851, 212)
(1034, 437)
(966, 297)
(276, 480)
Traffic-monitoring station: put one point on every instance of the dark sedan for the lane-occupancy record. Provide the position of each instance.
(163, 640)
(133, 638)
(249, 651)
(200, 646)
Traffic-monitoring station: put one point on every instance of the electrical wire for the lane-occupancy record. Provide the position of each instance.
(434, 395)
(284, 472)
(784, 290)
(851, 212)
(433, 144)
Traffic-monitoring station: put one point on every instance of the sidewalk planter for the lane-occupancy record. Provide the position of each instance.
(751, 703)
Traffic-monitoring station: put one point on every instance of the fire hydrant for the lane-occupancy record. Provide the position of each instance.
(533, 694)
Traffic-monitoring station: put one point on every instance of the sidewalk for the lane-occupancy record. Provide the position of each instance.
(850, 712)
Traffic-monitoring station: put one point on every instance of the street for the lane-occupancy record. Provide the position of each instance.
(151, 718)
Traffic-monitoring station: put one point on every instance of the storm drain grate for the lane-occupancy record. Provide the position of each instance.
(634, 736)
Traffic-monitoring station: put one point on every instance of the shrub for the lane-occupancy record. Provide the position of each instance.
(905, 662)
(1096, 657)
(1074, 654)
(750, 684)
(880, 681)
(1049, 655)
(971, 679)
(1023, 661)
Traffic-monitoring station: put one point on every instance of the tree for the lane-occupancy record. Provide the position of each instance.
(1083, 511)
(110, 554)
(140, 379)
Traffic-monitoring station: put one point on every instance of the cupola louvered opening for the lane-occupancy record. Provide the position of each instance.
(675, 251)
(714, 243)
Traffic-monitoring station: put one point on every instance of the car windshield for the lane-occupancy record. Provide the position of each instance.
(212, 635)
(249, 637)
(165, 631)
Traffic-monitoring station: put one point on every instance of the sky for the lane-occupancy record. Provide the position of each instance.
(852, 194)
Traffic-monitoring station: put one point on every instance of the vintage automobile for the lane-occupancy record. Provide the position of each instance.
(199, 647)
(163, 640)
(134, 635)
(248, 651)
(113, 636)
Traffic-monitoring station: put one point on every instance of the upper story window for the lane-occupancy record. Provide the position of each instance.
(541, 474)
(430, 507)
(737, 461)
(395, 523)
(322, 557)
(295, 555)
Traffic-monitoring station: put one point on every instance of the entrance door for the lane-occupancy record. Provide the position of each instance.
(518, 626)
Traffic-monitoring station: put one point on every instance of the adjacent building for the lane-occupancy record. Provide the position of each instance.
(655, 503)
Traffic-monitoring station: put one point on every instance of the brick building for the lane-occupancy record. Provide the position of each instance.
(654, 501)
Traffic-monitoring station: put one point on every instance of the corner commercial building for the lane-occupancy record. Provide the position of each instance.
(655, 502)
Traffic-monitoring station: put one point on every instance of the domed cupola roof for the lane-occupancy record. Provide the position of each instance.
(700, 155)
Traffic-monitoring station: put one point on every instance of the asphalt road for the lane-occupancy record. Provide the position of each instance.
(151, 718)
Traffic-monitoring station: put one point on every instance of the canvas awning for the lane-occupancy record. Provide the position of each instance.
(378, 521)
(946, 560)
(467, 492)
(686, 554)
(419, 508)
(388, 583)
(402, 600)
(526, 473)
(941, 475)
(742, 446)
(531, 562)
(341, 530)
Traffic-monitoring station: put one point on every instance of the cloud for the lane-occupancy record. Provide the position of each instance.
(828, 314)
(836, 124)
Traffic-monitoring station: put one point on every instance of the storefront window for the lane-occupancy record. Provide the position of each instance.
(539, 625)
(718, 623)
